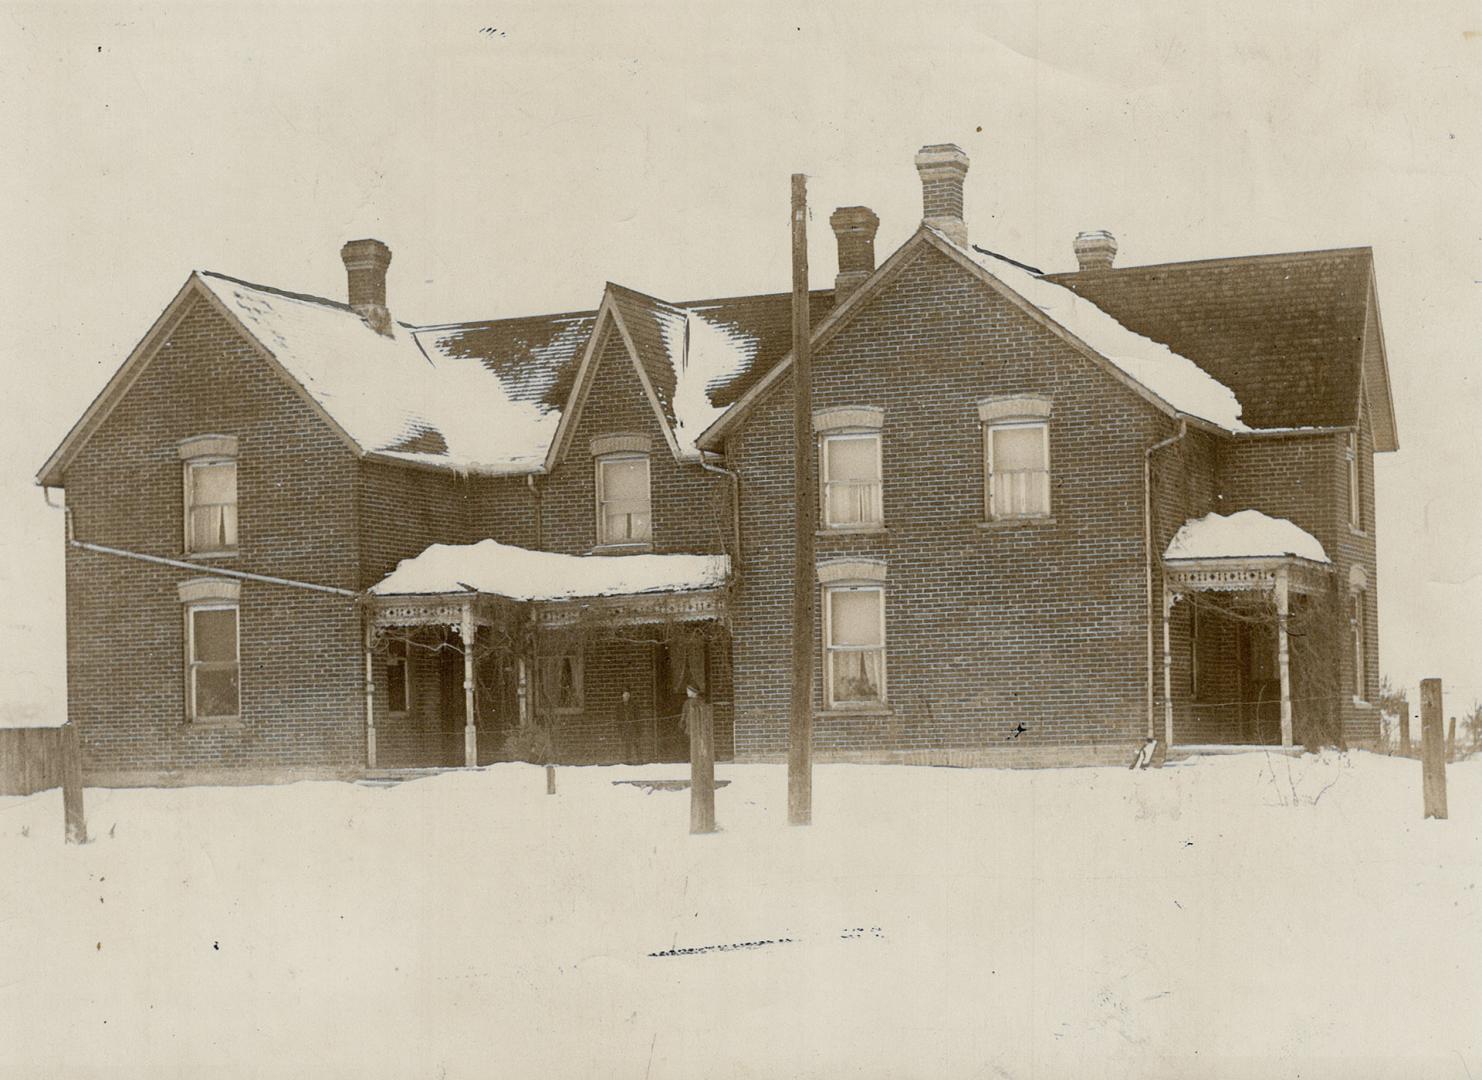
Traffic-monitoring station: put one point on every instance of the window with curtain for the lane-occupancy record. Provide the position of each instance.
(851, 480)
(1018, 469)
(1355, 518)
(214, 666)
(623, 508)
(398, 677)
(1360, 661)
(210, 506)
(854, 645)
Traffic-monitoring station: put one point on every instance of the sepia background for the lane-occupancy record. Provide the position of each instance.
(515, 156)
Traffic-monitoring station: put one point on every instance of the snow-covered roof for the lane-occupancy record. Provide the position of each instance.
(386, 392)
(1177, 380)
(1247, 534)
(521, 574)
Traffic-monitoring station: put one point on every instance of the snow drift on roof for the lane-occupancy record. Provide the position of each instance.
(706, 355)
(387, 394)
(1246, 534)
(1180, 382)
(521, 574)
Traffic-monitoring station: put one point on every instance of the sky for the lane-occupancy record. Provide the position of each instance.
(517, 156)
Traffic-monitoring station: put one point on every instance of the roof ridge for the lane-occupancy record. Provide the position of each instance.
(657, 300)
(463, 324)
(1272, 256)
(308, 298)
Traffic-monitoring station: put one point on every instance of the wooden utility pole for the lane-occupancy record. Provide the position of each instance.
(72, 784)
(800, 744)
(1432, 749)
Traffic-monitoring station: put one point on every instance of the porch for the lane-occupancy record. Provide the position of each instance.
(486, 652)
(1238, 591)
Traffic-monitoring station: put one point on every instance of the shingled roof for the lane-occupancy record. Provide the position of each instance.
(1284, 332)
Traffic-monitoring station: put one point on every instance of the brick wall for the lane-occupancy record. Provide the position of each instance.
(297, 484)
(987, 627)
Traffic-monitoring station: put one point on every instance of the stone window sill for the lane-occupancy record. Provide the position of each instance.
(622, 549)
(863, 710)
(1362, 534)
(232, 554)
(233, 724)
(874, 530)
(1015, 522)
(1362, 704)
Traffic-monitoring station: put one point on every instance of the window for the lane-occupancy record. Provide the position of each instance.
(211, 644)
(398, 677)
(561, 681)
(1360, 661)
(1354, 517)
(851, 480)
(623, 509)
(1018, 469)
(1016, 456)
(210, 493)
(854, 636)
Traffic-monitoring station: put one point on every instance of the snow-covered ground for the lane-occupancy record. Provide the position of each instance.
(1234, 917)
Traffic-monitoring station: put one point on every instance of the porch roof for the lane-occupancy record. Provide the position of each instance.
(494, 569)
(1248, 534)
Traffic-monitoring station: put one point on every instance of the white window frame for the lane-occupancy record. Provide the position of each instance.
(1355, 516)
(990, 509)
(1357, 622)
(193, 665)
(826, 485)
(578, 668)
(403, 661)
(830, 649)
(603, 540)
(188, 481)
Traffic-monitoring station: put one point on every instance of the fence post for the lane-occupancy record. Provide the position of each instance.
(1405, 731)
(702, 770)
(1432, 750)
(1451, 741)
(72, 784)
(550, 779)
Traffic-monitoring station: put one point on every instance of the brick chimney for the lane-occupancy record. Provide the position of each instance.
(365, 266)
(854, 229)
(943, 167)
(1095, 250)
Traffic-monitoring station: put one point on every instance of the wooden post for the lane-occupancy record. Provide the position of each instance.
(550, 779)
(1451, 741)
(72, 784)
(470, 720)
(1405, 731)
(1283, 654)
(370, 698)
(1169, 598)
(523, 692)
(702, 768)
(1432, 751)
(805, 517)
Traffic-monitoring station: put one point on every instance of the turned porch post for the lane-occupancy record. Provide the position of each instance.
(370, 696)
(1169, 596)
(1283, 653)
(470, 725)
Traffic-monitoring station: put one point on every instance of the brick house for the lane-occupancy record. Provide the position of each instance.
(1059, 514)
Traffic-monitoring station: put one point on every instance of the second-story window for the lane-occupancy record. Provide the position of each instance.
(1355, 519)
(210, 483)
(1016, 456)
(624, 511)
(850, 472)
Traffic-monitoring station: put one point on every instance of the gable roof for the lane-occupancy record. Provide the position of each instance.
(1285, 332)
(1167, 380)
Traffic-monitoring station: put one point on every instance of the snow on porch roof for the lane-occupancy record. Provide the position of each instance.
(1247, 534)
(521, 574)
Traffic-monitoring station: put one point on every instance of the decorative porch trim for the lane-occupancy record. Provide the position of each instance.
(442, 610)
(698, 606)
(1245, 575)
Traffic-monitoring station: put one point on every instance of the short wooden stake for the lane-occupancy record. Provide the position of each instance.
(702, 770)
(1432, 749)
(550, 779)
(72, 785)
(1405, 731)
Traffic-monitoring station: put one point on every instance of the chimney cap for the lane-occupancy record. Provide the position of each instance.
(1095, 249)
(942, 156)
(365, 254)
